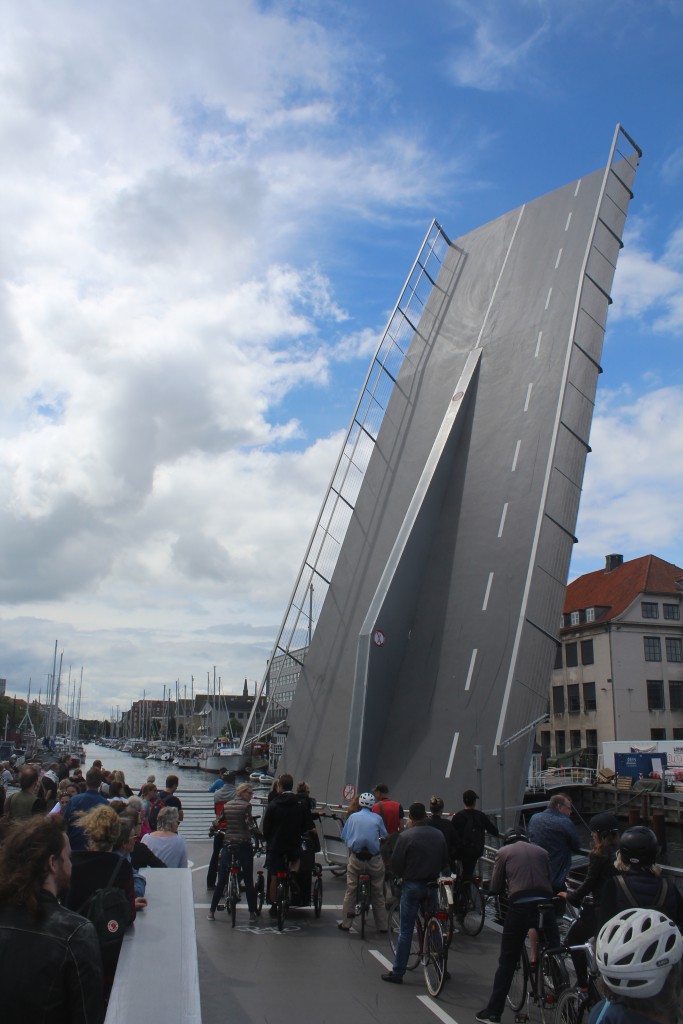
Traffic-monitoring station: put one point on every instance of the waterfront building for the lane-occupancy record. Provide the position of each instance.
(618, 671)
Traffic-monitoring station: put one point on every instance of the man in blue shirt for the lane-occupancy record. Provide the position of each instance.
(362, 834)
(556, 833)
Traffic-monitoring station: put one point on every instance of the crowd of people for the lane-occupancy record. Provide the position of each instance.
(66, 837)
(72, 847)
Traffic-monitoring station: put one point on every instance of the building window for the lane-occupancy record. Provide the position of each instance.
(657, 734)
(653, 648)
(672, 612)
(575, 739)
(592, 739)
(573, 699)
(655, 695)
(571, 656)
(545, 742)
(558, 656)
(558, 700)
(589, 703)
(674, 648)
(590, 614)
(650, 609)
(587, 657)
(675, 695)
(560, 742)
(678, 734)
(574, 619)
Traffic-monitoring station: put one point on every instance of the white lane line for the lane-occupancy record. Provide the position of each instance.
(488, 591)
(528, 398)
(471, 668)
(547, 301)
(578, 186)
(502, 520)
(454, 744)
(566, 227)
(538, 344)
(382, 959)
(514, 461)
(557, 261)
(436, 1009)
(502, 271)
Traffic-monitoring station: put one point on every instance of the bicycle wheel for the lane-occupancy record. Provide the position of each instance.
(472, 909)
(364, 899)
(570, 1007)
(553, 980)
(233, 889)
(516, 997)
(434, 955)
(394, 932)
(318, 895)
(280, 904)
(260, 892)
(446, 913)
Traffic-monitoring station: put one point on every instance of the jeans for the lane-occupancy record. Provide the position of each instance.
(245, 857)
(518, 920)
(412, 892)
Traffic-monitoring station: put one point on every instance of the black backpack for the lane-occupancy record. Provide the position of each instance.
(472, 837)
(109, 911)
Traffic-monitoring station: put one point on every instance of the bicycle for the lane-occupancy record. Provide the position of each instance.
(541, 982)
(464, 903)
(233, 885)
(574, 1004)
(363, 900)
(428, 944)
(282, 897)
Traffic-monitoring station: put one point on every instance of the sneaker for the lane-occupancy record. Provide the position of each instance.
(211, 916)
(486, 1017)
(253, 919)
(396, 979)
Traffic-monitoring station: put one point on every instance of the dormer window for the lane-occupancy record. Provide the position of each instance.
(575, 619)
(590, 614)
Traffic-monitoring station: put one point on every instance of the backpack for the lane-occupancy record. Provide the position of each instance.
(472, 838)
(109, 911)
(154, 808)
(626, 899)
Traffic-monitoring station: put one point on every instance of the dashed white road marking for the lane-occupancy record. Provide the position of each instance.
(566, 227)
(578, 186)
(528, 398)
(381, 958)
(514, 461)
(471, 668)
(488, 592)
(538, 344)
(454, 744)
(547, 301)
(502, 520)
(557, 261)
(437, 1010)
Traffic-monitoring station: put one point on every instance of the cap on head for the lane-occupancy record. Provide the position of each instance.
(604, 823)
(636, 950)
(366, 800)
(469, 797)
(417, 812)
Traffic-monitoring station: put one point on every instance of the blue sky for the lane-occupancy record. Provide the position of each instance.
(208, 213)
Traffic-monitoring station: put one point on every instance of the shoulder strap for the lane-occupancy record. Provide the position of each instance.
(621, 882)
(663, 895)
(107, 886)
(604, 1010)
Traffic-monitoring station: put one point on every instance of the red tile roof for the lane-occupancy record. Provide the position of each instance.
(616, 590)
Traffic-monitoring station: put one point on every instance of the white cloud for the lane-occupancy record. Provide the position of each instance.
(633, 488)
(495, 55)
(649, 287)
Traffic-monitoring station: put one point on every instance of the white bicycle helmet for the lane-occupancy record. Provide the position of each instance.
(636, 950)
(366, 800)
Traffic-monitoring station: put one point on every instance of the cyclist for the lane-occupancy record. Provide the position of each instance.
(239, 828)
(639, 954)
(604, 828)
(525, 869)
(420, 856)
(390, 811)
(284, 823)
(638, 881)
(362, 834)
(471, 826)
(554, 830)
(444, 825)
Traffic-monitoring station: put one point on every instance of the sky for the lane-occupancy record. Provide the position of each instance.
(208, 212)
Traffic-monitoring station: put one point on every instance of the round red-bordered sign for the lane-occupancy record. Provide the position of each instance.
(378, 638)
(348, 792)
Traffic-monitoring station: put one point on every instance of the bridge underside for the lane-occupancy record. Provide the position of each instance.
(438, 632)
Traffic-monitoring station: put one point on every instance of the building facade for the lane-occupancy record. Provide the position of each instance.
(619, 668)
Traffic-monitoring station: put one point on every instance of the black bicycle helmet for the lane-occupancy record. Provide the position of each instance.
(604, 823)
(516, 834)
(638, 846)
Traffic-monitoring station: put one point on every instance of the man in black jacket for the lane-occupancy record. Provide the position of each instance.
(420, 856)
(50, 956)
(471, 826)
(286, 819)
